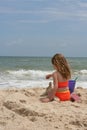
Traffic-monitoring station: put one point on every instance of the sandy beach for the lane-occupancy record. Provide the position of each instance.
(21, 109)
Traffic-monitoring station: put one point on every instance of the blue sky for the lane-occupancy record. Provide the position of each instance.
(43, 27)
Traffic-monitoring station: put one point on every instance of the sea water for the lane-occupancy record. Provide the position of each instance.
(24, 72)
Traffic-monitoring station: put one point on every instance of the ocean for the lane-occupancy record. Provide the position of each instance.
(29, 72)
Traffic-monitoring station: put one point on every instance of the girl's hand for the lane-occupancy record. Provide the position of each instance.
(48, 76)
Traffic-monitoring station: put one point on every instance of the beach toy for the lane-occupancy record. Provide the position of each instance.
(72, 84)
(75, 97)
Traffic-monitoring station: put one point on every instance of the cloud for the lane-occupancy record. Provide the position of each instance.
(5, 10)
(54, 11)
(63, 45)
(14, 42)
(32, 21)
(83, 4)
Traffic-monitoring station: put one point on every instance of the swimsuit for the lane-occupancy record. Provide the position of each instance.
(63, 92)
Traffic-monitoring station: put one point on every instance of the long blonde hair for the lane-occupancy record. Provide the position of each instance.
(62, 65)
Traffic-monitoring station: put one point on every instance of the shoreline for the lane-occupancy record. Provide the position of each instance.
(21, 109)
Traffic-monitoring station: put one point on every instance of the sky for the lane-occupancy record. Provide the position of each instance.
(43, 27)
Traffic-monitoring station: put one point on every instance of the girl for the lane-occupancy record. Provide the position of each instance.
(60, 79)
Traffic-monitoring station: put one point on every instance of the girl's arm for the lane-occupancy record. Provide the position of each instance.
(49, 76)
(51, 94)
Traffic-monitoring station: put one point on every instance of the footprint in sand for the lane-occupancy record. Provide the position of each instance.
(22, 110)
(2, 123)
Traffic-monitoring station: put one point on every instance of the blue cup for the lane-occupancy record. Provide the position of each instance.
(72, 85)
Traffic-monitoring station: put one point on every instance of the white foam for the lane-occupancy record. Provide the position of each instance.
(81, 84)
(83, 71)
(25, 83)
(31, 74)
(34, 78)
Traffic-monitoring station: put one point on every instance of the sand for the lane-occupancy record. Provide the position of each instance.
(21, 109)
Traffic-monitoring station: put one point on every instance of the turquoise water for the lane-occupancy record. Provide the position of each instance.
(31, 71)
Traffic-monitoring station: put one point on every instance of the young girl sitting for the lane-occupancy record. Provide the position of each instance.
(60, 79)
